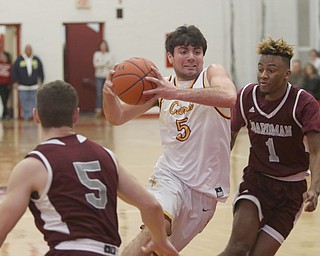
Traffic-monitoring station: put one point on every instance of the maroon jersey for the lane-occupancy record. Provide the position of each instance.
(5, 73)
(276, 129)
(80, 199)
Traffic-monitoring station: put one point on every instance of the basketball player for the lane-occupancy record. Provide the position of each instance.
(274, 191)
(71, 185)
(192, 175)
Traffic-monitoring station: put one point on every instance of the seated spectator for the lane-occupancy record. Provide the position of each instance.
(314, 58)
(311, 81)
(297, 74)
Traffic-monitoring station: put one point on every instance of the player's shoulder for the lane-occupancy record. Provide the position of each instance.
(214, 69)
(215, 66)
(248, 88)
(304, 98)
(301, 92)
(28, 167)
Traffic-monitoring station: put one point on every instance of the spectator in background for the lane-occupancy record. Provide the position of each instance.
(311, 81)
(6, 53)
(5, 82)
(103, 61)
(297, 74)
(314, 58)
(28, 76)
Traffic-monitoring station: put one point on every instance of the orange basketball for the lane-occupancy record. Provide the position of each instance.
(129, 80)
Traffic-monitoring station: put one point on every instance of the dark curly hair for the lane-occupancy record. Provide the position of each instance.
(186, 35)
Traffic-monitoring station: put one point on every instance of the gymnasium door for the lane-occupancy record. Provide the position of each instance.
(10, 36)
(81, 42)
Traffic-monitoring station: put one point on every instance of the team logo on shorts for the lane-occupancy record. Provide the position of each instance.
(152, 182)
(219, 192)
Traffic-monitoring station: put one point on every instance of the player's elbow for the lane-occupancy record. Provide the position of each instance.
(232, 100)
(114, 122)
(229, 100)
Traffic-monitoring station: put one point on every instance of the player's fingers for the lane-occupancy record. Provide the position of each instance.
(146, 250)
(310, 207)
(152, 79)
(110, 74)
(311, 204)
(107, 84)
(115, 66)
(107, 87)
(159, 75)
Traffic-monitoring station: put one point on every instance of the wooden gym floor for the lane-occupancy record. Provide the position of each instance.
(137, 146)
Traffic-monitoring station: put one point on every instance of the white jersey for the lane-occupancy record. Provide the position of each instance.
(196, 142)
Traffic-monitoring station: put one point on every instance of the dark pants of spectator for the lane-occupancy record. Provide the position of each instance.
(4, 93)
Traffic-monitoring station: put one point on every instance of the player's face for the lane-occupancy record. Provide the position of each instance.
(273, 75)
(187, 61)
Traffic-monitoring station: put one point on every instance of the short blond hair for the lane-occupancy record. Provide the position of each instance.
(279, 47)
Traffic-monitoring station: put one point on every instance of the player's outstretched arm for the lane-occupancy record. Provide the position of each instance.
(221, 92)
(224, 91)
(151, 212)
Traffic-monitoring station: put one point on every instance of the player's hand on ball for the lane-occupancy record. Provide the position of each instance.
(164, 88)
(129, 81)
(107, 87)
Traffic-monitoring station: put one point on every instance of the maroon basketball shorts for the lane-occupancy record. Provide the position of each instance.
(279, 202)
